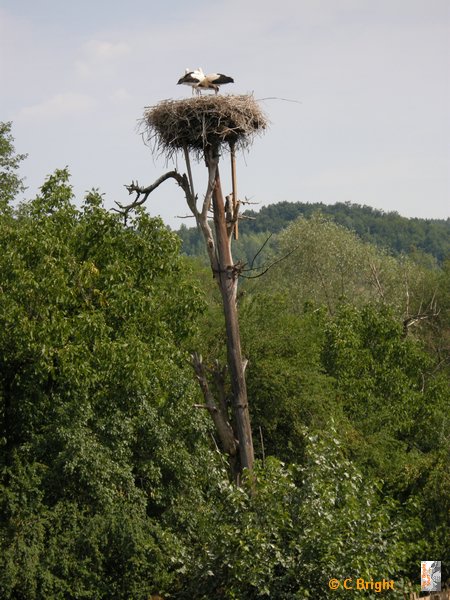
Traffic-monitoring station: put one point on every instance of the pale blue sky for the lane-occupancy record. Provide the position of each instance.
(372, 76)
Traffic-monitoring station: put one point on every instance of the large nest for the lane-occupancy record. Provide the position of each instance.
(201, 122)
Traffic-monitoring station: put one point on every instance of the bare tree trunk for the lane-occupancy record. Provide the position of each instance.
(235, 433)
(227, 277)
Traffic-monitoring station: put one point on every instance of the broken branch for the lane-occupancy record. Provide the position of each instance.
(221, 422)
(135, 188)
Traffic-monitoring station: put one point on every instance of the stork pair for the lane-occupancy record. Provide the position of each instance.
(199, 81)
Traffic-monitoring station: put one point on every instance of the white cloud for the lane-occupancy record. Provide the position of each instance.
(60, 105)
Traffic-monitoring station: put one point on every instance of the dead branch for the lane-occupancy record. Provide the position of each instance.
(219, 374)
(221, 422)
(376, 279)
(247, 201)
(235, 211)
(262, 446)
(283, 99)
(212, 162)
(202, 217)
(135, 188)
(259, 251)
(268, 266)
(189, 170)
(431, 312)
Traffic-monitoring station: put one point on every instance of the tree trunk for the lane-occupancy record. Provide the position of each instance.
(228, 281)
(235, 433)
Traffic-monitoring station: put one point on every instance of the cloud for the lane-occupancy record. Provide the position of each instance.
(59, 105)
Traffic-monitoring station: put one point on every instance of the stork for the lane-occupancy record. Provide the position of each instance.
(213, 81)
(199, 81)
(192, 78)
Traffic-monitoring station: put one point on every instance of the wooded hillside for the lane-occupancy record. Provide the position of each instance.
(386, 230)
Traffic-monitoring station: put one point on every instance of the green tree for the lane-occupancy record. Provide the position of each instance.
(325, 264)
(10, 183)
(285, 377)
(292, 528)
(398, 408)
(99, 440)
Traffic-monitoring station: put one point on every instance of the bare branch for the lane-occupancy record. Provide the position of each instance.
(235, 211)
(188, 166)
(283, 99)
(202, 217)
(223, 426)
(429, 313)
(212, 164)
(268, 267)
(376, 279)
(191, 198)
(218, 374)
(259, 252)
(247, 201)
(135, 188)
(262, 445)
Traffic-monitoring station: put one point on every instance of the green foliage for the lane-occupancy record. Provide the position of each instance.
(286, 384)
(327, 264)
(98, 435)
(390, 404)
(290, 529)
(386, 230)
(398, 405)
(331, 348)
(10, 182)
(386, 382)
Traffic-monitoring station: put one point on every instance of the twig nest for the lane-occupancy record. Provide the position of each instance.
(201, 122)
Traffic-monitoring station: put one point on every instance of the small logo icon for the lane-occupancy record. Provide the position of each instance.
(430, 576)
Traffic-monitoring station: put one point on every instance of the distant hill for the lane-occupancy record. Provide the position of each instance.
(388, 230)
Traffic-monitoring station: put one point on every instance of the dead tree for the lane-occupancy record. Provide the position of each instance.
(206, 128)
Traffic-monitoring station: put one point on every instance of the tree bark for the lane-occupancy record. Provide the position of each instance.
(227, 277)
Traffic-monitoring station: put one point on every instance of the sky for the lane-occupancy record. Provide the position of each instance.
(357, 93)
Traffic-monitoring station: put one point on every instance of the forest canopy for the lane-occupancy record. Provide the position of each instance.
(387, 230)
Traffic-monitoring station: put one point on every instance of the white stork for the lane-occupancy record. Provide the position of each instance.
(192, 78)
(199, 81)
(213, 81)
